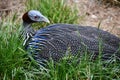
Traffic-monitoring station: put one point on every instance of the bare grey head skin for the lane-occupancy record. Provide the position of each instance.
(28, 18)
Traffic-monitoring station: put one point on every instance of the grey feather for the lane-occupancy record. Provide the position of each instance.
(53, 42)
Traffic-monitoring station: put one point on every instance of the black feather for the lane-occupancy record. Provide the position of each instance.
(53, 42)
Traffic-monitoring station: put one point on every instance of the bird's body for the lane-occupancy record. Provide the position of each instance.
(54, 41)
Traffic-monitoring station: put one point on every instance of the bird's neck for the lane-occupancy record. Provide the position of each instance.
(25, 24)
(27, 28)
(27, 32)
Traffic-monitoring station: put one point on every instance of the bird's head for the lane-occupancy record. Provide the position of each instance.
(33, 16)
(28, 18)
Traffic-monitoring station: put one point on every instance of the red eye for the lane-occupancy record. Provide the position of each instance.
(35, 17)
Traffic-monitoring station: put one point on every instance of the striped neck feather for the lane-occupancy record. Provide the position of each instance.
(27, 33)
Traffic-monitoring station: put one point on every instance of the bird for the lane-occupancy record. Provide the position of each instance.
(60, 40)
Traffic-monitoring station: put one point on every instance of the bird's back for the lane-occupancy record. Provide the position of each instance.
(54, 41)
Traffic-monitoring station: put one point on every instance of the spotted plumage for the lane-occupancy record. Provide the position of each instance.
(55, 40)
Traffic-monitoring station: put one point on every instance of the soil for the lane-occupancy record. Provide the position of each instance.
(95, 13)
(11, 7)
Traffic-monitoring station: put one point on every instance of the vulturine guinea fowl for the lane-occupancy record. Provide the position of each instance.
(55, 40)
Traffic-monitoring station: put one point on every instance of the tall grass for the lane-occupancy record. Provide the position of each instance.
(14, 64)
(11, 52)
(55, 10)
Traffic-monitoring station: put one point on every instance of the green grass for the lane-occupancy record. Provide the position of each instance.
(55, 10)
(14, 64)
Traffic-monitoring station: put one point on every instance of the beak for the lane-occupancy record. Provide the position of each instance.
(45, 19)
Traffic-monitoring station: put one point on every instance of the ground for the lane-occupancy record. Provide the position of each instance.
(96, 13)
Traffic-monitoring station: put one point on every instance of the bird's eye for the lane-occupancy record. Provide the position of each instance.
(35, 17)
